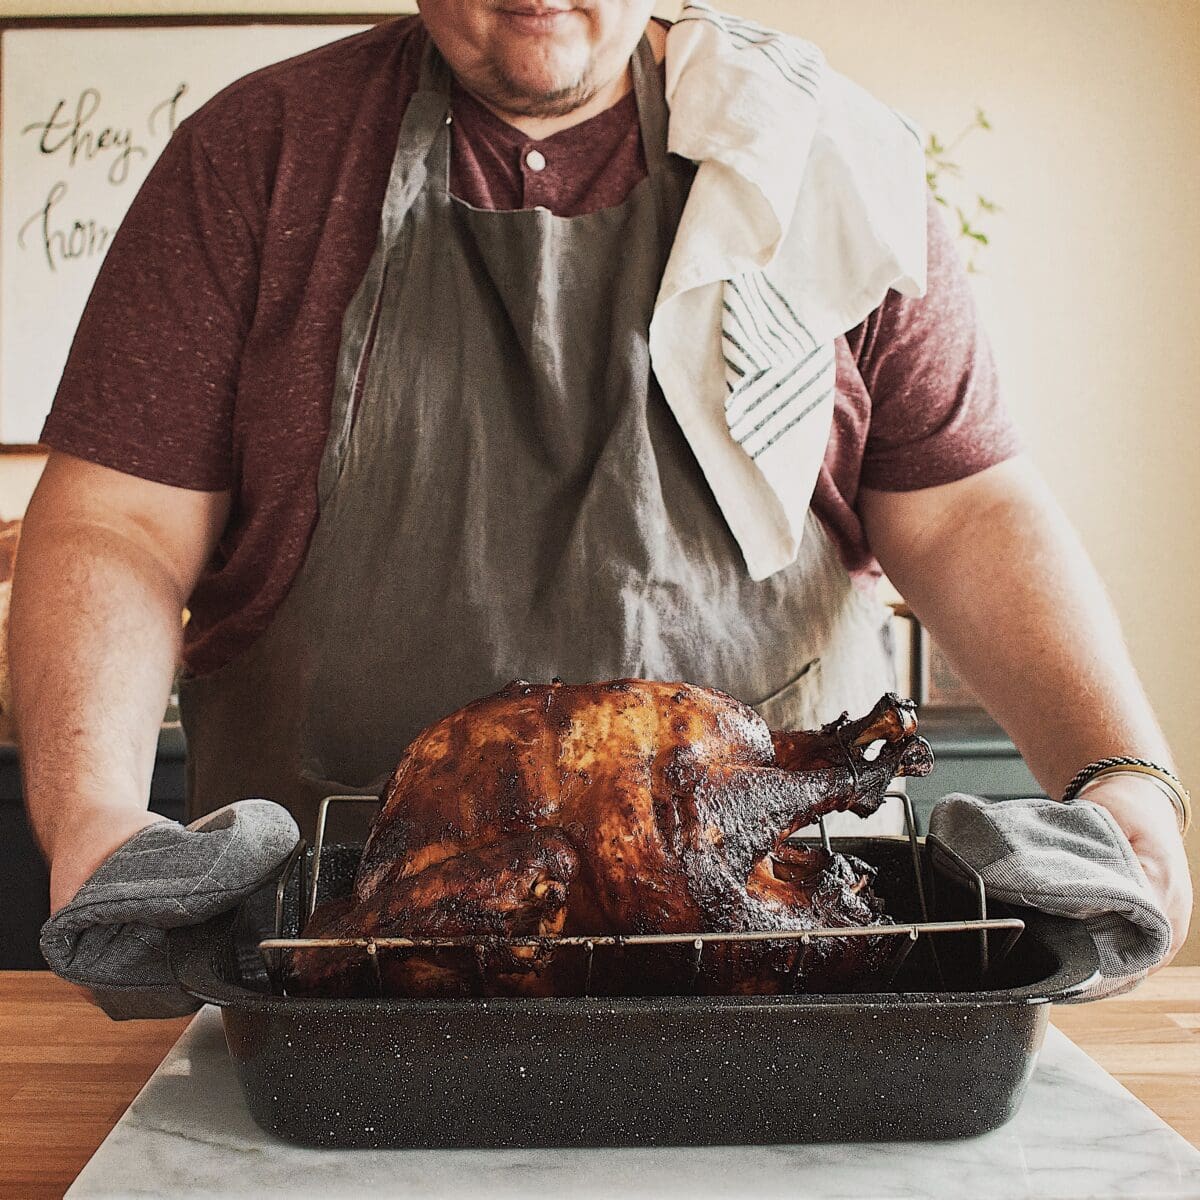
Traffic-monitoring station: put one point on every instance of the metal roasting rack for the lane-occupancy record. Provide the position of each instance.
(274, 949)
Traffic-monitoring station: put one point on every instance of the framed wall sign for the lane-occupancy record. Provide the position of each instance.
(86, 106)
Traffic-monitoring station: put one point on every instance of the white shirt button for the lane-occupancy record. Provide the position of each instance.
(535, 160)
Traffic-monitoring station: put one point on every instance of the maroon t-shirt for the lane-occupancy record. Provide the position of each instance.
(205, 358)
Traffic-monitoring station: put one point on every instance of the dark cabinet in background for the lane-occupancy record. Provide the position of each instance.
(972, 754)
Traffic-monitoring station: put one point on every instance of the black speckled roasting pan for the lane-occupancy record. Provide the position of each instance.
(934, 1057)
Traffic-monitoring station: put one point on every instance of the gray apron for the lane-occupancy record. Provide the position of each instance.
(505, 493)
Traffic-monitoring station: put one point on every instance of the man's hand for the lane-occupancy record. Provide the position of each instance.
(86, 842)
(1149, 820)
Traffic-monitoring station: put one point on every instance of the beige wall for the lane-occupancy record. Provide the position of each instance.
(1092, 281)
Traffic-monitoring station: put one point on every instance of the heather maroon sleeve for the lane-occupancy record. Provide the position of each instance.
(150, 382)
(936, 411)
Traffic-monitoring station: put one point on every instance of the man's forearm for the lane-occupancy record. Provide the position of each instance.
(1002, 582)
(93, 642)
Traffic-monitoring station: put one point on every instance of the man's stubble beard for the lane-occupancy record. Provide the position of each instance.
(504, 93)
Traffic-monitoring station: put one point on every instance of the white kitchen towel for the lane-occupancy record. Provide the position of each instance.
(1070, 860)
(809, 203)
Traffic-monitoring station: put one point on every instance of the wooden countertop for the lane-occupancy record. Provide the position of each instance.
(67, 1072)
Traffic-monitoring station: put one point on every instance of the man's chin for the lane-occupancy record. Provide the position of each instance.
(541, 97)
(556, 105)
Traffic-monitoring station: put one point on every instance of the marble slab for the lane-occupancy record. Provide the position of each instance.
(1078, 1134)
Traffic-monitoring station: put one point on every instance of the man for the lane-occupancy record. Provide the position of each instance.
(387, 426)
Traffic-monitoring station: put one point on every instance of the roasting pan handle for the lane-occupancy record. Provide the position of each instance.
(1079, 961)
(194, 952)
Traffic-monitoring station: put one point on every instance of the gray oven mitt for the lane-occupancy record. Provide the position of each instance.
(1071, 860)
(112, 937)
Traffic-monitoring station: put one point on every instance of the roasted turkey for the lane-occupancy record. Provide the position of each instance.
(623, 807)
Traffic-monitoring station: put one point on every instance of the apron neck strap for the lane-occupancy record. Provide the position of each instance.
(435, 72)
(651, 105)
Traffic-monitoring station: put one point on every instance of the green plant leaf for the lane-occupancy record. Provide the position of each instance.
(938, 164)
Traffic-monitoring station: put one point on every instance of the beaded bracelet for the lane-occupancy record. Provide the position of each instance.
(1122, 764)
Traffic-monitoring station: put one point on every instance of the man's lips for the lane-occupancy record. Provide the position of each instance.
(534, 18)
